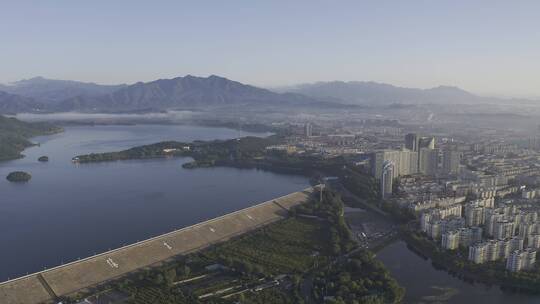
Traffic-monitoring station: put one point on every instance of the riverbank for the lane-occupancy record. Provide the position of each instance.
(425, 283)
(493, 273)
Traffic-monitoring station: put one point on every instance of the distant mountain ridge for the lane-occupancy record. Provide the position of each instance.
(45, 95)
(53, 91)
(188, 91)
(11, 104)
(373, 93)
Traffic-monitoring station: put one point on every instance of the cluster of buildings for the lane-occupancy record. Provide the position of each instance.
(417, 156)
(451, 184)
(459, 169)
(504, 232)
(438, 221)
(310, 139)
(454, 190)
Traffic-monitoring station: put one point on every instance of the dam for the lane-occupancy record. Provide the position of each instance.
(78, 276)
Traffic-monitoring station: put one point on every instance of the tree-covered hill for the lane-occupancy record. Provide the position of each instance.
(15, 134)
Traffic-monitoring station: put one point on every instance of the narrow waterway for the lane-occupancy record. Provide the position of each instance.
(425, 284)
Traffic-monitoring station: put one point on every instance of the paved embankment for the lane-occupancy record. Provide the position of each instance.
(79, 275)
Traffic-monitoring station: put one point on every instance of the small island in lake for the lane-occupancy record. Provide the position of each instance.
(43, 158)
(19, 176)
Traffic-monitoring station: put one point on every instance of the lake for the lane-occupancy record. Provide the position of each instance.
(70, 211)
(425, 284)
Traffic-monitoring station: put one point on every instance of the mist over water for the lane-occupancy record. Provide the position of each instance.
(172, 116)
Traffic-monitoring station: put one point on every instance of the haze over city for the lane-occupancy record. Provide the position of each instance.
(486, 47)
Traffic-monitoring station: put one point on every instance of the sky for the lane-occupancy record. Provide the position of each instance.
(487, 47)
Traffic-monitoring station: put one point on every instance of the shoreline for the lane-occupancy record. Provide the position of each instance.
(29, 145)
(485, 276)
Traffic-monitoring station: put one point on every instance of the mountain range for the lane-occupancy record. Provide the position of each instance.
(45, 95)
(10, 103)
(53, 91)
(34, 95)
(182, 92)
(373, 93)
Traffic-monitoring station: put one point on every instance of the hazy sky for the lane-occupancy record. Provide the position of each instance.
(488, 47)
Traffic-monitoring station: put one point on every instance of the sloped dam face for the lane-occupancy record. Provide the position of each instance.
(69, 211)
(67, 279)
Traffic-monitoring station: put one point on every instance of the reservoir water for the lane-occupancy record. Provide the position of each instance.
(425, 284)
(69, 211)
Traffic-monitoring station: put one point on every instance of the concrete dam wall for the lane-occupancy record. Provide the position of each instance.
(45, 286)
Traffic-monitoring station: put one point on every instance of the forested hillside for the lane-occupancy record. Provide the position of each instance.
(15, 134)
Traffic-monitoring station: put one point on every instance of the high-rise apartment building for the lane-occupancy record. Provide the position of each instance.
(450, 240)
(451, 160)
(503, 229)
(474, 215)
(428, 161)
(412, 142)
(404, 162)
(308, 130)
(533, 241)
(387, 179)
(521, 260)
(426, 142)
